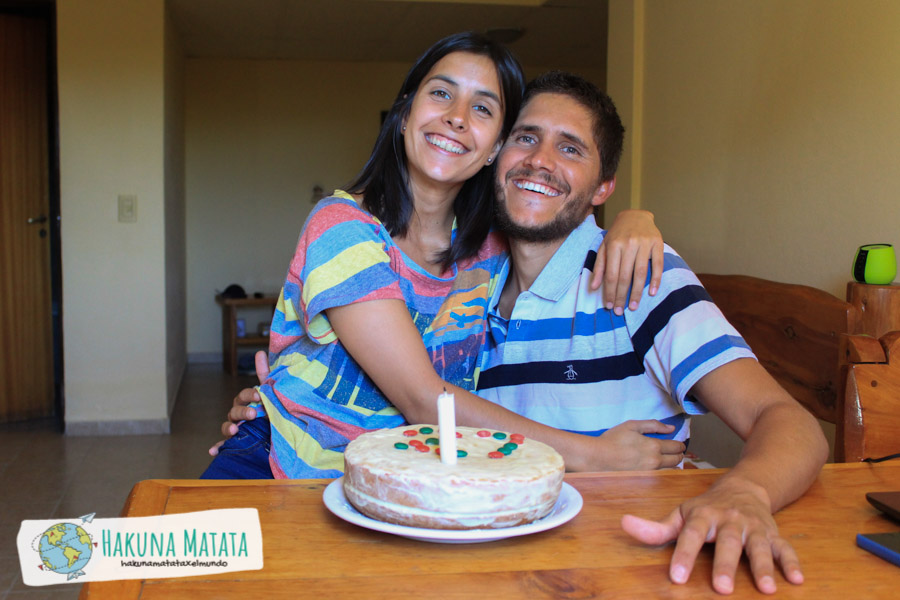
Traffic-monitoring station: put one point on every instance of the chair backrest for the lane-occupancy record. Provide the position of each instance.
(795, 331)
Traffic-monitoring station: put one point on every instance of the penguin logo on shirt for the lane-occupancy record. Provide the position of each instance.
(570, 373)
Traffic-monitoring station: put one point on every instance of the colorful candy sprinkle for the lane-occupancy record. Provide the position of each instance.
(410, 433)
(483, 433)
(422, 448)
(459, 453)
(426, 430)
(499, 435)
(495, 455)
(458, 434)
(432, 441)
(401, 446)
(518, 438)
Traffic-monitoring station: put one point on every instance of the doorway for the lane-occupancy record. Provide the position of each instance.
(30, 255)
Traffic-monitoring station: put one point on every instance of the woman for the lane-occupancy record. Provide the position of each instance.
(412, 238)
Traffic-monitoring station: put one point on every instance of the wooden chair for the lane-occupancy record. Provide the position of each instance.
(811, 342)
(870, 424)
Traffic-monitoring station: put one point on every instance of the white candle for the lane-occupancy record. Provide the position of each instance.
(447, 428)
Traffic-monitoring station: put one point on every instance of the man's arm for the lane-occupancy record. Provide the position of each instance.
(783, 453)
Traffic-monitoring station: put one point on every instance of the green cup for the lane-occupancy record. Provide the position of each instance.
(875, 264)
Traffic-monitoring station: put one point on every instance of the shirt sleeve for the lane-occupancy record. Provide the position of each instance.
(341, 258)
(681, 335)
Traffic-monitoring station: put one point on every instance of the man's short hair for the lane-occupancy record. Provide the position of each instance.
(609, 133)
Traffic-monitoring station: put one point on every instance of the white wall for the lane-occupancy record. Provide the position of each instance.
(770, 130)
(112, 124)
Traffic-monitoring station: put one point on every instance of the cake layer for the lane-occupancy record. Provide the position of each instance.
(396, 475)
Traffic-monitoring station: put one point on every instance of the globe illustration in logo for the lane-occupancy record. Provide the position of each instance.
(65, 549)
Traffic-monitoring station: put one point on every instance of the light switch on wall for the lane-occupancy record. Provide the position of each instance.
(127, 208)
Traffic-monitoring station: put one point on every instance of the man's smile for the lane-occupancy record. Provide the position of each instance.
(538, 182)
(531, 186)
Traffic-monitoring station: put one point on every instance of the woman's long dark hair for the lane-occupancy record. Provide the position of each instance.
(383, 181)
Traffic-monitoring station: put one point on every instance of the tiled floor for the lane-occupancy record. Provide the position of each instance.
(45, 475)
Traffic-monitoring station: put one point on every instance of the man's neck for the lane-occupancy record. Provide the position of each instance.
(528, 260)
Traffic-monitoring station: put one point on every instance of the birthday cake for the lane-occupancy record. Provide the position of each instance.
(499, 480)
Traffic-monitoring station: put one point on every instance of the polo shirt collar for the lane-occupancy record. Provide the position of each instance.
(567, 262)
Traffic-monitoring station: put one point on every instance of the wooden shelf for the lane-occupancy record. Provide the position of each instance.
(252, 340)
(230, 339)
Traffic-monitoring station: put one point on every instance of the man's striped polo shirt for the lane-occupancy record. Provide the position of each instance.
(564, 360)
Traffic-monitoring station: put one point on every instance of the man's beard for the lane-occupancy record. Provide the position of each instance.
(565, 222)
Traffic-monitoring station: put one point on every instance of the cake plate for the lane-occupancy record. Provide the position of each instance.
(567, 506)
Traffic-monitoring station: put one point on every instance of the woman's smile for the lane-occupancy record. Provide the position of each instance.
(446, 144)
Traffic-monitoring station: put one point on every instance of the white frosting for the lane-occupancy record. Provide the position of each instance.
(415, 488)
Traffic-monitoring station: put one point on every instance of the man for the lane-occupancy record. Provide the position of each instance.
(560, 161)
(559, 357)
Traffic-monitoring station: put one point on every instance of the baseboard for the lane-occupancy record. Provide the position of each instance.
(135, 427)
(197, 358)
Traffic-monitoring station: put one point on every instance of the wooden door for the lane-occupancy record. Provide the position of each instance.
(26, 336)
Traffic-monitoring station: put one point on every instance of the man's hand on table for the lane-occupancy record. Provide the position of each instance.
(736, 515)
(240, 407)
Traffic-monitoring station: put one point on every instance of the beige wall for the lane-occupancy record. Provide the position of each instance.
(112, 141)
(624, 83)
(770, 130)
(770, 133)
(175, 251)
(259, 136)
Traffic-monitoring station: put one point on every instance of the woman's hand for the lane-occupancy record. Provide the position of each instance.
(628, 448)
(632, 242)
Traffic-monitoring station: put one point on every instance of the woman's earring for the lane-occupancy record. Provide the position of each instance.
(404, 128)
(490, 160)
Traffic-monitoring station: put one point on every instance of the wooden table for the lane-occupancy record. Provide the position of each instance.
(308, 552)
(230, 339)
